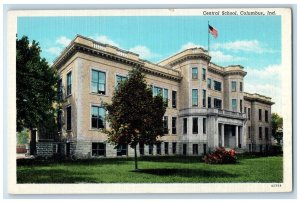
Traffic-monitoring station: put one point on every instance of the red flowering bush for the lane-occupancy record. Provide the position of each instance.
(221, 156)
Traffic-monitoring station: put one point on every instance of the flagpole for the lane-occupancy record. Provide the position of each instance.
(208, 37)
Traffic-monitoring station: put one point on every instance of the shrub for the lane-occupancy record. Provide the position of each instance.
(221, 156)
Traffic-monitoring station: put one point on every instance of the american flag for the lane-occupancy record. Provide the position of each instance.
(213, 31)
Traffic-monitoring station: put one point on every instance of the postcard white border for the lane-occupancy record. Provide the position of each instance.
(15, 188)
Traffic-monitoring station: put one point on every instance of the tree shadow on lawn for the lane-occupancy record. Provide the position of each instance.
(49, 162)
(53, 176)
(172, 159)
(186, 172)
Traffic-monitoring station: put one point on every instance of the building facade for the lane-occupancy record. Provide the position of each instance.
(207, 106)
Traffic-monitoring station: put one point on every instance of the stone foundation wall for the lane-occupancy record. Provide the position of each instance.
(44, 149)
(83, 149)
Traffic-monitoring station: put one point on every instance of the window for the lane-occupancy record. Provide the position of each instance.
(233, 104)
(209, 102)
(142, 148)
(157, 91)
(241, 106)
(249, 132)
(209, 83)
(98, 115)
(174, 125)
(241, 86)
(195, 73)
(245, 110)
(204, 98)
(119, 79)
(69, 118)
(218, 103)
(151, 149)
(98, 149)
(69, 83)
(158, 148)
(59, 121)
(195, 149)
(204, 148)
(203, 74)
(267, 133)
(259, 114)
(184, 149)
(249, 113)
(122, 150)
(204, 125)
(60, 90)
(195, 97)
(260, 148)
(195, 125)
(165, 125)
(260, 133)
(174, 147)
(233, 86)
(184, 125)
(174, 99)
(166, 97)
(166, 148)
(163, 92)
(217, 86)
(98, 82)
(266, 116)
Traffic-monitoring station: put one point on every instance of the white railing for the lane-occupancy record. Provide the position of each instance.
(231, 113)
(99, 46)
(220, 112)
(121, 53)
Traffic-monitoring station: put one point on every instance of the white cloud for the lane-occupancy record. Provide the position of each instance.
(242, 45)
(143, 51)
(54, 50)
(105, 40)
(189, 45)
(219, 57)
(266, 81)
(64, 41)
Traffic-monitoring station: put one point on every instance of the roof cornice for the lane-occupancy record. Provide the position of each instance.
(190, 57)
(74, 47)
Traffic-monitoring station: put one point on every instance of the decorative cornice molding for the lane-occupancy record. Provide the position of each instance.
(251, 99)
(76, 47)
(235, 72)
(190, 57)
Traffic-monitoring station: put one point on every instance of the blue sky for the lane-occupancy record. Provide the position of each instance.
(251, 41)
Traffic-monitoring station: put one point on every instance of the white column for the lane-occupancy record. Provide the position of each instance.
(223, 134)
(244, 138)
(237, 136)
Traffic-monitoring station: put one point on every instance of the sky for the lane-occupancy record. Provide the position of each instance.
(251, 41)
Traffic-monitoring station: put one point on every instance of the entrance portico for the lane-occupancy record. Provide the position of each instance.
(230, 136)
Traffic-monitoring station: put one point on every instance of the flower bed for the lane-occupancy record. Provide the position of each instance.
(221, 156)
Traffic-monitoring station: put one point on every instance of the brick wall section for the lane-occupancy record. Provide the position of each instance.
(44, 149)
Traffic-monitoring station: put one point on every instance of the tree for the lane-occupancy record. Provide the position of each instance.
(134, 115)
(36, 85)
(277, 127)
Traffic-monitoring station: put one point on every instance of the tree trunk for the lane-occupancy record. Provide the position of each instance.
(135, 158)
(33, 141)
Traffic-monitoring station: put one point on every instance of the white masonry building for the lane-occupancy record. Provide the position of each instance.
(207, 105)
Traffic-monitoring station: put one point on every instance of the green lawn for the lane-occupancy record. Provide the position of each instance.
(153, 170)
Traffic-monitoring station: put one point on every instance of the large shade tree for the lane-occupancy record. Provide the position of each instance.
(134, 115)
(277, 127)
(36, 86)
